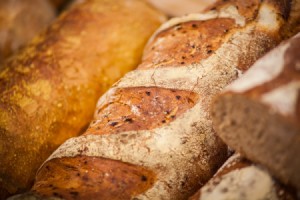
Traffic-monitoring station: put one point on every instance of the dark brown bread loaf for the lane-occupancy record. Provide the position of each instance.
(259, 115)
(48, 91)
(240, 179)
(20, 21)
(152, 136)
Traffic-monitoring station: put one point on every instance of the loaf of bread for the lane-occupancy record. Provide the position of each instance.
(152, 136)
(240, 179)
(259, 115)
(20, 21)
(48, 91)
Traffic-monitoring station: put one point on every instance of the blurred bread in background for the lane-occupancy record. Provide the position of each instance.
(181, 7)
(20, 21)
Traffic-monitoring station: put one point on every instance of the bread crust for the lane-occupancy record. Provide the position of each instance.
(268, 98)
(179, 145)
(49, 90)
(238, 178)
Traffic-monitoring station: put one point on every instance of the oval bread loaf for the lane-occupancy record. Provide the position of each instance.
(49, 90)
(152, 135)
(259, 115)
(20, 21)
(240, 179)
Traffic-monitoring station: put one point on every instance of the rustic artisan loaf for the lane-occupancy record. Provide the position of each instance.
(152, 136)
(48, 91)
(259, 115)
(20, 21)
(240, 179)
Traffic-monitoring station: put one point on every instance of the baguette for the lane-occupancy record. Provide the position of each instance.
(20, 21)
(239, 179)
(48, 91)
(152, 136)
(259, 115)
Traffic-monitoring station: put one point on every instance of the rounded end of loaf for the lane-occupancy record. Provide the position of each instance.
(239, 178)
(256, 131)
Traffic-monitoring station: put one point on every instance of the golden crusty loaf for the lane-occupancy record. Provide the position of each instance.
(48, 91)
(259, 115)
(20, 21)
(240, 179)
(152, 136)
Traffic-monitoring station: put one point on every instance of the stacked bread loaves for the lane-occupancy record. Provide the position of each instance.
(152, 135)
(239, 179)
(259, 115)
(49, 90)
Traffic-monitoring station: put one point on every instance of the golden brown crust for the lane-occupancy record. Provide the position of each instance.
(20, 21)
(248, 9)
(199, 39)
(132, 109)
(93, 177)
(185, 152)
(49, 90)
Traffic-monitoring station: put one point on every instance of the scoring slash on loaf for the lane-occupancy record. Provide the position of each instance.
(152, 135)
(259, 115)
(239, 179)
(49, 90)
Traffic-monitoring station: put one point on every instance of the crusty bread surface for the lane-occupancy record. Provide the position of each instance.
(49, 90)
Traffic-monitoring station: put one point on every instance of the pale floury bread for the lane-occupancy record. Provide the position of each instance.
(259, 114)
(239, 179)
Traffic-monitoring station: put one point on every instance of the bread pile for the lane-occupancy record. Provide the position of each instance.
(162, 130)
(49, 89)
